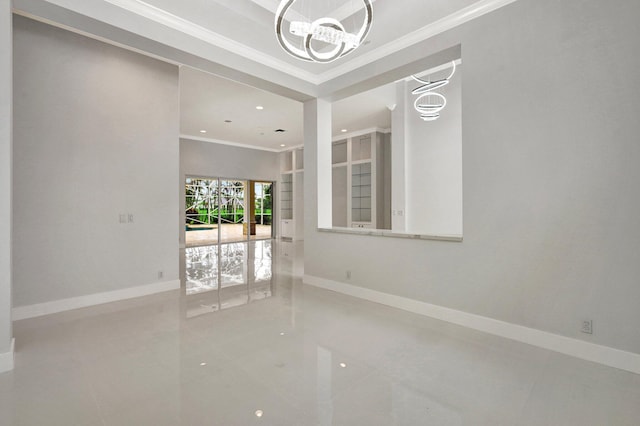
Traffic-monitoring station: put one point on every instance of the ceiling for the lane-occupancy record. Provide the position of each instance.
(250, 23)
(241, 65)
(209, 102)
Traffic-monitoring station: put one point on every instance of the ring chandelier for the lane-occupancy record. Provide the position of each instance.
(327, 30)
(428, 108)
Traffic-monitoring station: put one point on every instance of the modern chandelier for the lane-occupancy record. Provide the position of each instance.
(428, 107)
(328, 30)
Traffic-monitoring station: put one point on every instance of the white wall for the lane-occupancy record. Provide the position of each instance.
(434, 164)
(550, 179)
(206, 159)
(5, 179)
(96, 136)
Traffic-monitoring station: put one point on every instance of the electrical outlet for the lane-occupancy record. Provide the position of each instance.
(587, 326)
(123, 218)
(348, 275)
(130, 217)
(160, 275)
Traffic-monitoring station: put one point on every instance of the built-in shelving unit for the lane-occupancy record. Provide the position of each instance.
(357, 181)
(291, 198)
(286, 196)
(361, 193)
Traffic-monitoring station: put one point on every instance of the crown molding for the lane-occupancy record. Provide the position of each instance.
(223, 142)
(185, 26)
(93, 36)
(174, 22)
(447, 23)
(355, 134)
(292, 148)
(335, 138)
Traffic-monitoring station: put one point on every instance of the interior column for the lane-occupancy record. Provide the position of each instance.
(398, 163)
(317, 161)
(6, 117)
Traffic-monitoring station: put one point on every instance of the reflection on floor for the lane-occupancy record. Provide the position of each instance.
(228, 275)
(303, 356)
(229, 232)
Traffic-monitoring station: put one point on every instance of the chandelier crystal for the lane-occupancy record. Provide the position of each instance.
(327, 30)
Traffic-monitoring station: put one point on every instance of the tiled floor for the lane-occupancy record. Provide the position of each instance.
(267, 350)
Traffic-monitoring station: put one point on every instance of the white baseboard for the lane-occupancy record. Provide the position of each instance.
(7, 358)
(611, 357)
(55, 306)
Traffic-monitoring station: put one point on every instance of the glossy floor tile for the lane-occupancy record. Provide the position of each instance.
(245, 342)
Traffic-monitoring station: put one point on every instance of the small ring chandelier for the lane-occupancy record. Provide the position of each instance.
(430, 111)
(327, 30)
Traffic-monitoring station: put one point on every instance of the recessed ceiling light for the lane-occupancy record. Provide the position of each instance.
(259, 413)
(344, 130)
(282, 145)
(343, 365)
(260, 107)
(202, 364)
(203, 131)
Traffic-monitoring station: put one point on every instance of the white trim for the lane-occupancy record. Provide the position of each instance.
(177, 23)
(292, 148)
(272, 5)
(62, 305)
(440, 26)
(7, 359)
(93, 36)
(222, 142)
(185, 26)
(343, 136)
(341, 13)
(611, 357)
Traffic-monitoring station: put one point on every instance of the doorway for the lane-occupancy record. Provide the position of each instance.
(222, 210)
